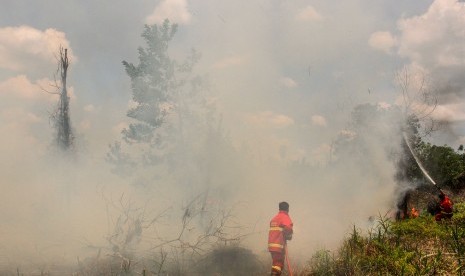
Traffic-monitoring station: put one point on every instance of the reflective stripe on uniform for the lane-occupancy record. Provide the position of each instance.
(275, 245)
(276, 229)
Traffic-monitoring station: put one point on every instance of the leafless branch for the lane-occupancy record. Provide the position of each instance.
(418, 98)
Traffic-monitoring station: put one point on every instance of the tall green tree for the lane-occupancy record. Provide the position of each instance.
(168, 100)
(159, 85)
(173, 128)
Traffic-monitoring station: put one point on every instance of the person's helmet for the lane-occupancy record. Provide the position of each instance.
(284, 206)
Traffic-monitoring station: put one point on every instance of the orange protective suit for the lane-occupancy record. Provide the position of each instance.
(446, 208)
(280, 231)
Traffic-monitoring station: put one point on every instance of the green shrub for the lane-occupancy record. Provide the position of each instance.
(419, 246)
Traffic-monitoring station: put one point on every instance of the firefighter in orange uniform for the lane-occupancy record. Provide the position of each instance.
(445, 207)
(280, 232)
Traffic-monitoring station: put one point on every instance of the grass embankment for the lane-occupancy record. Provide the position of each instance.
(419, 246)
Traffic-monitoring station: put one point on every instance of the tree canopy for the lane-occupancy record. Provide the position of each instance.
(373, 127)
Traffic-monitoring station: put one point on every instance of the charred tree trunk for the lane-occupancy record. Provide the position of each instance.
(64, 133)
(402, 206)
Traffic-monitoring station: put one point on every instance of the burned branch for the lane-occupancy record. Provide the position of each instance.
(136, 234)
(418, 98)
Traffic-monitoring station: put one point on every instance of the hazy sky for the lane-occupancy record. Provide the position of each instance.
(294, 65)
(299, 65)
(284, 74)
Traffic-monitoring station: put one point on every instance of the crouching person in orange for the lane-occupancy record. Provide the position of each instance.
(445, 207)
(280, 232)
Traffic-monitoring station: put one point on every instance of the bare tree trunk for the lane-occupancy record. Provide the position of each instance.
(64, 133)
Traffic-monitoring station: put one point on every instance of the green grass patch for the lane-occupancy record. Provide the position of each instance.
(419, 246)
